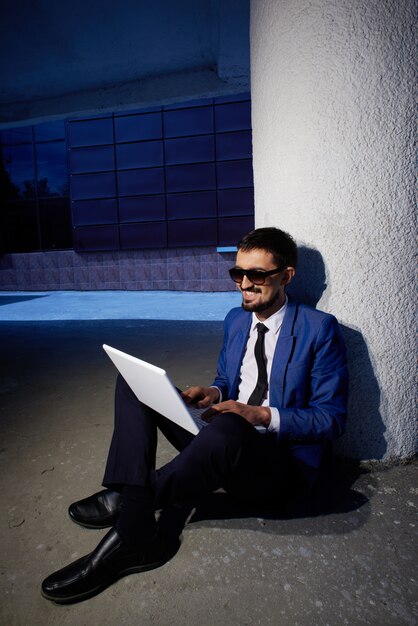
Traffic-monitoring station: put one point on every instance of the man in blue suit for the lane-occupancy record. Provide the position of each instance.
(276, 404)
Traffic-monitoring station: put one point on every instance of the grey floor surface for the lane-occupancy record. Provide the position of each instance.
(356, 565)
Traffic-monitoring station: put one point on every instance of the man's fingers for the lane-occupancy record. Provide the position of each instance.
(202, 396)
(222, 407)
(192, 394)
(186, 397)
(206, 401)
(225, 407)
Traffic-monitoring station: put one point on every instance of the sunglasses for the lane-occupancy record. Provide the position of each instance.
(257, 277)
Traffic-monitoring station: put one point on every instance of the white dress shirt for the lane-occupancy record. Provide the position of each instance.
(249, 370)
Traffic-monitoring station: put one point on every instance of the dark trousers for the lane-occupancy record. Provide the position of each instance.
(228, 453)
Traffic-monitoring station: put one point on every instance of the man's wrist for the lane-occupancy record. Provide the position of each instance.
(219, 398)
(265, 416)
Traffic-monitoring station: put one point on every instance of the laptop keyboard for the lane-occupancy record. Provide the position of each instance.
(195, 412)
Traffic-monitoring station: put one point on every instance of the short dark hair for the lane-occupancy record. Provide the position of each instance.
(281, 245)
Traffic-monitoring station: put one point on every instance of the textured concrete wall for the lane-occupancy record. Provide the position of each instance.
(333, 126)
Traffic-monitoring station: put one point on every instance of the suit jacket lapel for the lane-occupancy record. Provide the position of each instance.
(282, 355)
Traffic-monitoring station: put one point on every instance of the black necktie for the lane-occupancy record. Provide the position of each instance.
(257, 395)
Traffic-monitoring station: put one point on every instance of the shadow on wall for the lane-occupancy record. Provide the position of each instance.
(14, 299)
(364, 437)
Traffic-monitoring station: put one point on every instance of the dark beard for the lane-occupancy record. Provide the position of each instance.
(253, 308)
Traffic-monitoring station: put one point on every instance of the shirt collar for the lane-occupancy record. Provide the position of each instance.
(273, 322)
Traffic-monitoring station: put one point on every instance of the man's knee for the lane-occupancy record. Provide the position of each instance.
(126, 402)
(123, 390)
(227, 430)
(212, 457)
(121, 384)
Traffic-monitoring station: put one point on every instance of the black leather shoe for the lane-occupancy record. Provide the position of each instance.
(111, 560)
(100, 510)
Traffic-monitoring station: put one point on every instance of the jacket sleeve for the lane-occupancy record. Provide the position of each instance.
(321, 414)
(221, 379)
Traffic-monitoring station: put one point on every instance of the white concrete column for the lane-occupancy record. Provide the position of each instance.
(333, 127)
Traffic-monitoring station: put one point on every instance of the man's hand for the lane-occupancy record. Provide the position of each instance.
(201, 396)
(256, 415)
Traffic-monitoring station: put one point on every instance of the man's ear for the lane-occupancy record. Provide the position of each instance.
(288, 275)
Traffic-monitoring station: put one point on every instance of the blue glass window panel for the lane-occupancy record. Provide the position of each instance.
(21, 225)
(142, 154)
(236, 202)
(189, 150)
(235, 174)
(55, 223)
(88, 186)
(188, 122)
(144, 235)
(233, 98)
(19, 164)
(89, 212)
(235, 116)
(50, 131)
(96, 159)
(236, 145)
(232, 229)
(52, 174)
(16, 136)
(9, 192)
(95, 132)
(189, 103)
(142, 209)
(188, 202)
(198, 177)
(192, 233)
(136, 182)
(139, 127)
(191, 205)
(89, 238)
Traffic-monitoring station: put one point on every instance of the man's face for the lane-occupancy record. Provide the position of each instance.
(266, 299)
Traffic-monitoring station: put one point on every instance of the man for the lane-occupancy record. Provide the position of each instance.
(276, 404)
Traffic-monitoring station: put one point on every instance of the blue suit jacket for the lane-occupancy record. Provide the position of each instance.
(308, 382)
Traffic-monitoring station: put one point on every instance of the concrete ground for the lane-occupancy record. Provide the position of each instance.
(356, 565)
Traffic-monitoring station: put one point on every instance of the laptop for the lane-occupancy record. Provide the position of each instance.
(152, 386)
